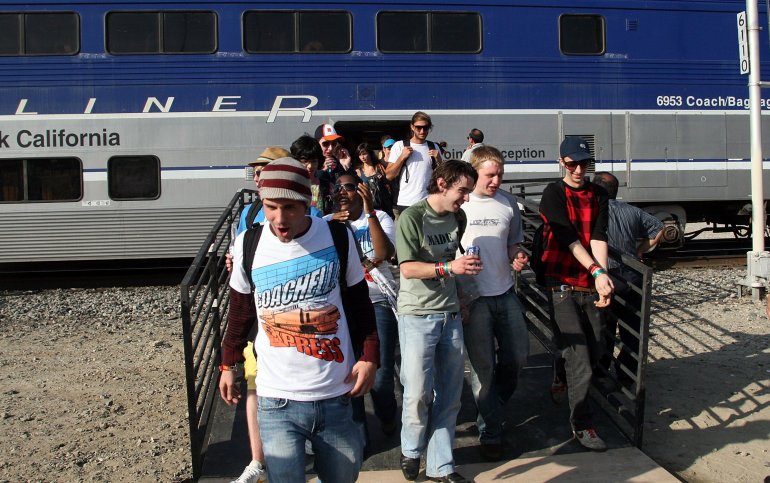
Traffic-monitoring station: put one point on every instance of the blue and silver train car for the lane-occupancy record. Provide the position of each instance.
(125, 126)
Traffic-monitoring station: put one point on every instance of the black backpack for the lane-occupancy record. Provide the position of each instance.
(395, 185)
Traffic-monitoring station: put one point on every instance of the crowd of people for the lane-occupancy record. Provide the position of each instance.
(352, 258)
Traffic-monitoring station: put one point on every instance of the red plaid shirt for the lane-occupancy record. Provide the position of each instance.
(571, 214)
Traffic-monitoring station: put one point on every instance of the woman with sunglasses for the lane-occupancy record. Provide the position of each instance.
(372, 173)
(376, 235)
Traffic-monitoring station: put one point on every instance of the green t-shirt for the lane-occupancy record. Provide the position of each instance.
(424, 236)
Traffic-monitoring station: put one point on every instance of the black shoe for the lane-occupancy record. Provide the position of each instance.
(450, 478)
(410, 467)
(491, 451)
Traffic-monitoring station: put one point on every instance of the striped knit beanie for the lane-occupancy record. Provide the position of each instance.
(285, 178)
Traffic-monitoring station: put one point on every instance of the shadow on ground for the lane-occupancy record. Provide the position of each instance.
(708, 386)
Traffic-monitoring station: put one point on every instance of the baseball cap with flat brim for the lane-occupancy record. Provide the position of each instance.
(575, 148)
(326, 132)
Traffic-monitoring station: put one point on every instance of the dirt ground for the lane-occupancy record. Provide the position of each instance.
(708, 381)
(90, 394)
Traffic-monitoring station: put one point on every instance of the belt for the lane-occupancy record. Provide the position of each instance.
(571, 288)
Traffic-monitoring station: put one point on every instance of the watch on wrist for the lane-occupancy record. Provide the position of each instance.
(371, 214)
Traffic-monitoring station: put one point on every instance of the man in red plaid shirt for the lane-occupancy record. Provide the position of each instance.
(575, 213)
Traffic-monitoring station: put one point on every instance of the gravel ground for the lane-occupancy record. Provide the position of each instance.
(92, 383)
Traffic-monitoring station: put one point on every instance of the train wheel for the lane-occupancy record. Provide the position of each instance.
(741, 231)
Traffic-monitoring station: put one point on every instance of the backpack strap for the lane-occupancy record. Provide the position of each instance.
(250, 242)
(253, 211)
(462, 221)
(339, 233)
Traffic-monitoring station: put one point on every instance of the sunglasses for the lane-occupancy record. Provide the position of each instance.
(326, 144)
(421, 127)
(257, 171)
(572, 165)
(350, 187)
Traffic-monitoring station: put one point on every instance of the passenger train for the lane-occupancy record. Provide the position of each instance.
(125, 127)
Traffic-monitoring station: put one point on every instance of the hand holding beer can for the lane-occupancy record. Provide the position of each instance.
(473, 250)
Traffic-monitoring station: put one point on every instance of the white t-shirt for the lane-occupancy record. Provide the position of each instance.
(364, 239)
(494, 224)
(467, 154)
(303, 346)
(417, 170)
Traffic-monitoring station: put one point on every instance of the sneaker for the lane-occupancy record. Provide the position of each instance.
(589, 439)
(254, 473)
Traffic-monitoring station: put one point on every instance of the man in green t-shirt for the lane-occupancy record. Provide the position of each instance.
(429, 326)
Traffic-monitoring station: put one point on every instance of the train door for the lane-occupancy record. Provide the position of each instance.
(370, 132)
(652, 152)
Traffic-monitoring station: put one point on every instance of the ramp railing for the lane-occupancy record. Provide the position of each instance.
(618, 387)
(204, 302)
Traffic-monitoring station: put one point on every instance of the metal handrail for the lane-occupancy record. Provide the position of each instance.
(204, 302)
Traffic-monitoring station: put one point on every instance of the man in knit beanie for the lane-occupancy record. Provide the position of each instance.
(307, 341)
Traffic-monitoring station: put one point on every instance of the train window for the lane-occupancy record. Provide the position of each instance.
(455, 32)
(161, 32)
(281, 31)
(421, 32)
(133, 177)
(43, 33)
(41, 179)
(581, 34)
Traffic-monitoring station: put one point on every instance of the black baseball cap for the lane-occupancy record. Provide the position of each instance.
(575, 148)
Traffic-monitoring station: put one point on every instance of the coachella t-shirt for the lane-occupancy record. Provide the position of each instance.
(304, 352)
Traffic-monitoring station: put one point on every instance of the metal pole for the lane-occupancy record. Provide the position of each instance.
(757, 190)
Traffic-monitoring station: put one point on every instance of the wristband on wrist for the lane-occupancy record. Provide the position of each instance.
(371, 214)
(448, 269)
(440, 270)
(224, 367)
(597, 272)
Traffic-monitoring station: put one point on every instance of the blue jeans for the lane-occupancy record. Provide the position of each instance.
(497, 342)
(383, 391)
(285, 425)
(432, 362)
(581, 326)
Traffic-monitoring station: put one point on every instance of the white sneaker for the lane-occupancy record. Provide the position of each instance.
(254, 473)
(589, 439)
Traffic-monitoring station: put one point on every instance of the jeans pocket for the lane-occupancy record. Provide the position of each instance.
(560, 297)
(272, 403)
